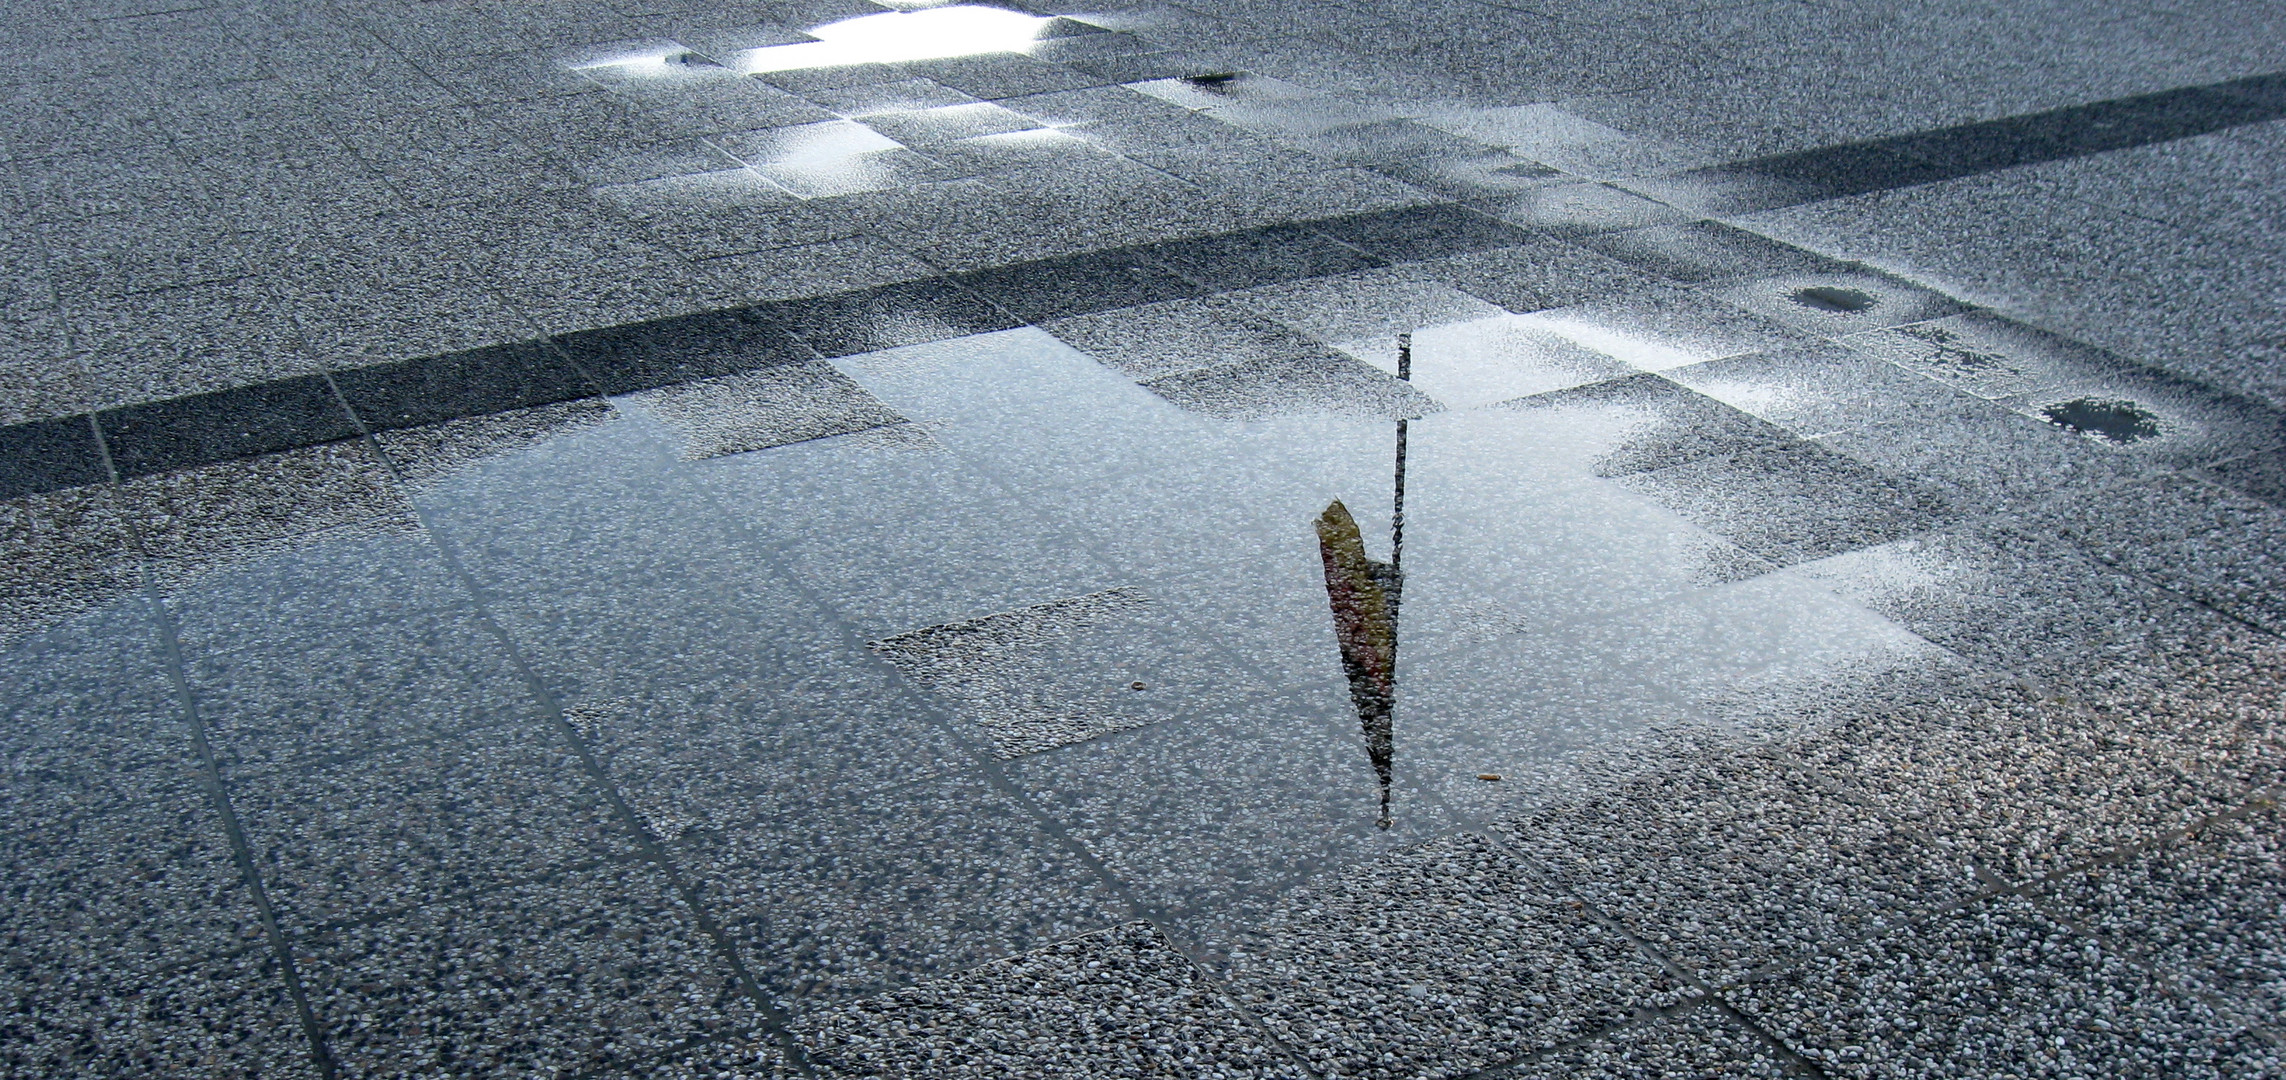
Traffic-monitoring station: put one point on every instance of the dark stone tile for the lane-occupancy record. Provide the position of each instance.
(2269, 90)
(1079, 284)
(1424, 232)
(1979, 148)
(663, 352)
(890, 316)
(45, 455)
(2151, 118)
(224, 425)
(475, 383)
(1267, 256)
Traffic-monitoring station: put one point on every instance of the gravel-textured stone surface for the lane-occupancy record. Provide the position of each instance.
(592, 969)
(1121, 1002)
(2209, 910)
(1026, 676)
(772, 407)
(1698, 1043)
(61, 553)
(361, 836)
(1871, 618)
(1997, 989)
(843, 895)
(227, 1017)
(1438, 960)
(1735, 862)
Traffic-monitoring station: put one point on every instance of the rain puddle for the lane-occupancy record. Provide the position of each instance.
(2111, 421)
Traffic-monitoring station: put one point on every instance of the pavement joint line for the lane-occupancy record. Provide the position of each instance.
(774, 1023)
(987, 765)
(210, 777)
(1704, 992)
(1317, 226)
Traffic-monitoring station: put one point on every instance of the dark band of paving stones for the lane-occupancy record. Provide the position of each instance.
(224, 425)
(260, 418)
(1927, 157)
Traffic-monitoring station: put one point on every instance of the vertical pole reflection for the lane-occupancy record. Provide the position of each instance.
(1365, 595)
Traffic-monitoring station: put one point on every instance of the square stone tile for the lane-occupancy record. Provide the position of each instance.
(1450, 956)
(363, 837)
(1585, 210)
(119, 862)
(1658, 424)
(65, 552)
(1699, 1042)
(273, 702)
(1707, 251)
(2201, 910)
(2007, 598)
(230, 1015)
(1659, 327)
(1981, 458)
(1541, 273)
(806, 270)
(1791, 502)
(853, 894)
(1156, 340)
(1995, 986)
(1065, 671)
(1326, 384)
(1112, 1001)
(1731, 864)
(195, 515)
(593, 969)
(783, 404)
(1271, 255)
(1814, 390)
(708, 749)
(1365, 304)
(1836, 303)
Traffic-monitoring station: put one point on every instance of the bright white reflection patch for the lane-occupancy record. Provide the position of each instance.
(893, 36)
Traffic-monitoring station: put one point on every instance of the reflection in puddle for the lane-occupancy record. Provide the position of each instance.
(832, 157)
(1365, 595)
(898, 36)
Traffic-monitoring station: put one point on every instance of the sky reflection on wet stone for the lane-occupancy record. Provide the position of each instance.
(836, 539)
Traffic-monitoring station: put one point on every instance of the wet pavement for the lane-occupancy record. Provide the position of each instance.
(910, 539)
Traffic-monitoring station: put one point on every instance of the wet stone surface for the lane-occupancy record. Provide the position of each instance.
(905, 539)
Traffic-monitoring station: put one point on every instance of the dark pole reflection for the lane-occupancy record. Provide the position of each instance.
(1365, 595)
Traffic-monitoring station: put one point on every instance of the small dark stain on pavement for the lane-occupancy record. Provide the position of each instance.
(2111, 421)
(1834, 298)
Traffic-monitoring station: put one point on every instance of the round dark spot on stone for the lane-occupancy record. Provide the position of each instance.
(1135, 686)
(2111, 421)
(1834, 298)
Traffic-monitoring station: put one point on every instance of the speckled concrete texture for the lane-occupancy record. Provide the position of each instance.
(597, 539)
